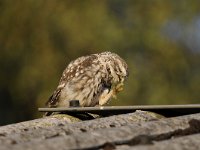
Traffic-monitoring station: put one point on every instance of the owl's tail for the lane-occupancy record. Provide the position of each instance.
(50, 103)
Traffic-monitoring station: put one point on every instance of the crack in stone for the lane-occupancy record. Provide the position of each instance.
(194, 127)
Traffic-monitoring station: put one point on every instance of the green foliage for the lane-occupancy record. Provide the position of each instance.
(39, 38)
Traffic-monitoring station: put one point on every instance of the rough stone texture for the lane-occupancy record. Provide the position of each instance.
(59, 125)
(45, 122)
(190, 142)
(138, 130)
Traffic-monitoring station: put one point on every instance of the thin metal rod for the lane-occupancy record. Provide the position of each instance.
(136, 107)
(166, 110)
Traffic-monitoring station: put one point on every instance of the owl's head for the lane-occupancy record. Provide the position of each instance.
(115, 66)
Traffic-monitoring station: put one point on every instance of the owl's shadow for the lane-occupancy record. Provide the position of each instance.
(83, 115)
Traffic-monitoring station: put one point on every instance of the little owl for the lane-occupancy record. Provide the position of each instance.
(92, 80)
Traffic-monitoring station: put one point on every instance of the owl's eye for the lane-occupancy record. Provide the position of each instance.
(108, 70)
(107, 85)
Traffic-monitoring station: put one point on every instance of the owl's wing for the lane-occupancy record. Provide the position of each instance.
(69, 74)
(54, 98)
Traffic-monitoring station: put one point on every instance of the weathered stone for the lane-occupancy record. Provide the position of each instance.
(189, 142)
(59, 125)
(116, 131)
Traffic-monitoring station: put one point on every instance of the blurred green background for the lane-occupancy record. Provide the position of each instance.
(159, 39)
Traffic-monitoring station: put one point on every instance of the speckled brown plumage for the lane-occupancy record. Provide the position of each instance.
(91, 79)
